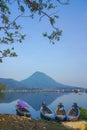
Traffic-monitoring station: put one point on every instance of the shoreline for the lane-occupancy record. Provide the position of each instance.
(14, 122)
(80, 125)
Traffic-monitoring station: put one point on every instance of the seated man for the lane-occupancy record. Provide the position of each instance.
(61, 108)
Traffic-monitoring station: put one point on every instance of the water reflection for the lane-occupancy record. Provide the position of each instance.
(34, 99)
(7, 104)
(69, 99)
(2, 96)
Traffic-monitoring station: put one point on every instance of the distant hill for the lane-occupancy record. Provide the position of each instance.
(11, 83)
(43, 81)
(38, 80)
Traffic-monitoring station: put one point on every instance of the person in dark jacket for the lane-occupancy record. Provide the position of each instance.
(61, 108)
(60, 105)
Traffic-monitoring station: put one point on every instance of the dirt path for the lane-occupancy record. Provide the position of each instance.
(80, 125)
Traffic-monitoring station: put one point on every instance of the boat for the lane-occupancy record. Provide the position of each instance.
(22, 109)
(60, 113)
(73, 113)
(46, 112)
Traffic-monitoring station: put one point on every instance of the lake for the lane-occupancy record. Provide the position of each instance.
(8, 101)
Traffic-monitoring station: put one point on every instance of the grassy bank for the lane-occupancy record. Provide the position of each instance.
(13, 122)
(83, 114)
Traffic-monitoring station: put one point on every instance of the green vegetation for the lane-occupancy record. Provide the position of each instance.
(83, 114)
(2, 96)
(2, 87)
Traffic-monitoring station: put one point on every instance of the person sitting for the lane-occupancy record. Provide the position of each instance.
(19, 107)
(61, 108)
(75, 105)
(44, 105)
(75, 108)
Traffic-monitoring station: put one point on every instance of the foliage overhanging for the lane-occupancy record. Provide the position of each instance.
(10, 29)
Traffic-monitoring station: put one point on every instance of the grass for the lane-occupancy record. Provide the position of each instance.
(13, 122)
(83, 114)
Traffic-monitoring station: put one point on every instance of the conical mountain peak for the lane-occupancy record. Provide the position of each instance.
(41, 80)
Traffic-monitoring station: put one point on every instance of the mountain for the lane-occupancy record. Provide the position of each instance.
(42, 81)
(38, 80)
(11, 83)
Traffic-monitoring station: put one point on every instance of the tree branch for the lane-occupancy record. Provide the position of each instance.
(64, 3)
(3, 27)
(31, 4)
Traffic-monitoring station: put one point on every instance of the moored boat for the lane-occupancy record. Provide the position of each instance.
(60, 113)
(73, 113)
(22, 109)
(47, 112)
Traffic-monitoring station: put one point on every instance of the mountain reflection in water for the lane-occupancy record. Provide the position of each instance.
(34, 99)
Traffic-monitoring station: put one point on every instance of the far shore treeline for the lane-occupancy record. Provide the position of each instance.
(2, 87)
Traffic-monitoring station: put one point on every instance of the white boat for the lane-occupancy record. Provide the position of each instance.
(47, 112)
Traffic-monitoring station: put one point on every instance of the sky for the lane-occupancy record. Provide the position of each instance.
(65, 61)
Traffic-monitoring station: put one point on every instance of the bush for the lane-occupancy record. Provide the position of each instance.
(83, 114)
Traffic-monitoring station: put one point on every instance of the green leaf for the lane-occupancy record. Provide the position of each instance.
(60, 32)
(22, 9)
(8, 51)
(52, 21)
(13, 54)
(0, 60)
(45, 34)
(51, 6)
(56, 16)
(12, 48)
(22, 37)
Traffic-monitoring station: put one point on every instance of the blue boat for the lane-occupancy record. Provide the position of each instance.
(73, 113)
(46, 112)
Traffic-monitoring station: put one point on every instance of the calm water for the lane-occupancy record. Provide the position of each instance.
(9, 101)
